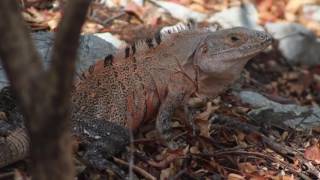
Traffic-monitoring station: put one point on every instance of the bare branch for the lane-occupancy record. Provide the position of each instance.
(16, 43)
(43, 95)
(64, 56)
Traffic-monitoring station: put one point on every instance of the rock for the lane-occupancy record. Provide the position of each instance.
(245, 15)
(288, 115)
(312, 12)
(180, 12)
(296, 43)
(92, 48)
(110, 39)
(115, 4)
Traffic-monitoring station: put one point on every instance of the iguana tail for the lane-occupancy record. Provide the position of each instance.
(14, 147)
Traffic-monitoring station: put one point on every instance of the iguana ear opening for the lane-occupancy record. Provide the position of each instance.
(202, 59)
(191, 58)
(190, 65)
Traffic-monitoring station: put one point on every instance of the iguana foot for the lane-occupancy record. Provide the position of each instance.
(96, 157)
(189, 113)
(101, 140)
(96, 160)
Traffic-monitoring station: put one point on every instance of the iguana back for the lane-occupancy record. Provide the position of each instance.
(131, 84)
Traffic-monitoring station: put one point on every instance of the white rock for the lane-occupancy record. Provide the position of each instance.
(311, 12)
(245, 15)
(180, 12)
(296, 43)
(116, 42)
(91, 49)
(290, 115)
(123, 3)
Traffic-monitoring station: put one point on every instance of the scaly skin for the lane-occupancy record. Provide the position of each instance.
(14, 147)
(152, 79)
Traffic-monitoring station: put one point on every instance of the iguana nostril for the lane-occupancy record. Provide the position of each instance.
(262, 36)
(269, 38)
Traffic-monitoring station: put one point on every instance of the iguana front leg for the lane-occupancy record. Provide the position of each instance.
(188, 111)
(163, 121)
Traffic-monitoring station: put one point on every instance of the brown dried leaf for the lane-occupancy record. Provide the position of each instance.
(169, 157)
(35, 15)
(198, 7)
(241, 136)
(294, 5)
(285, 177)
(247, 167)
(88, 27)
(136, 9)
(195, 150)
(18, 175)
(3, 116)
(253, 138)
(258, 178)
(196, 102)
(167, 173)
(208, 112)
(313, 153)
(204, 127)
(202, 119)
(232, 176)
(270, 10)
(54, 21)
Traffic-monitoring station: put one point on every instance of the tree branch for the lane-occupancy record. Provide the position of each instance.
(16, 43)
(63, 57)
(43, 95)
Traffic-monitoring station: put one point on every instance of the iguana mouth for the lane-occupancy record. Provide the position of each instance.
(252, 49)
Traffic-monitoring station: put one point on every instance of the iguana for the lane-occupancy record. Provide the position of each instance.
(149, 79)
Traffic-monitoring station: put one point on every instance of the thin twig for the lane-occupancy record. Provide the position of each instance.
(135, 168)
(7, 175)
(279, 148)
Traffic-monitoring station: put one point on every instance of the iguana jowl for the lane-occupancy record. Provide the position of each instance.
(151, 79)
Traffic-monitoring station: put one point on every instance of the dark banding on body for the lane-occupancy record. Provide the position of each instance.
(91, 69)
(157, 37)
(133, 47)
(83, 76)
(134, 60)
(127, 52)
(149, 42)
(108, 60)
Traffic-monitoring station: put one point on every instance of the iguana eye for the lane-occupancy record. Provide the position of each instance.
(234, 38)
(204, 48)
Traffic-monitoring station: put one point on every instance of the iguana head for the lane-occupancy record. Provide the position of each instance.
(220, 57)
(228, 49)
